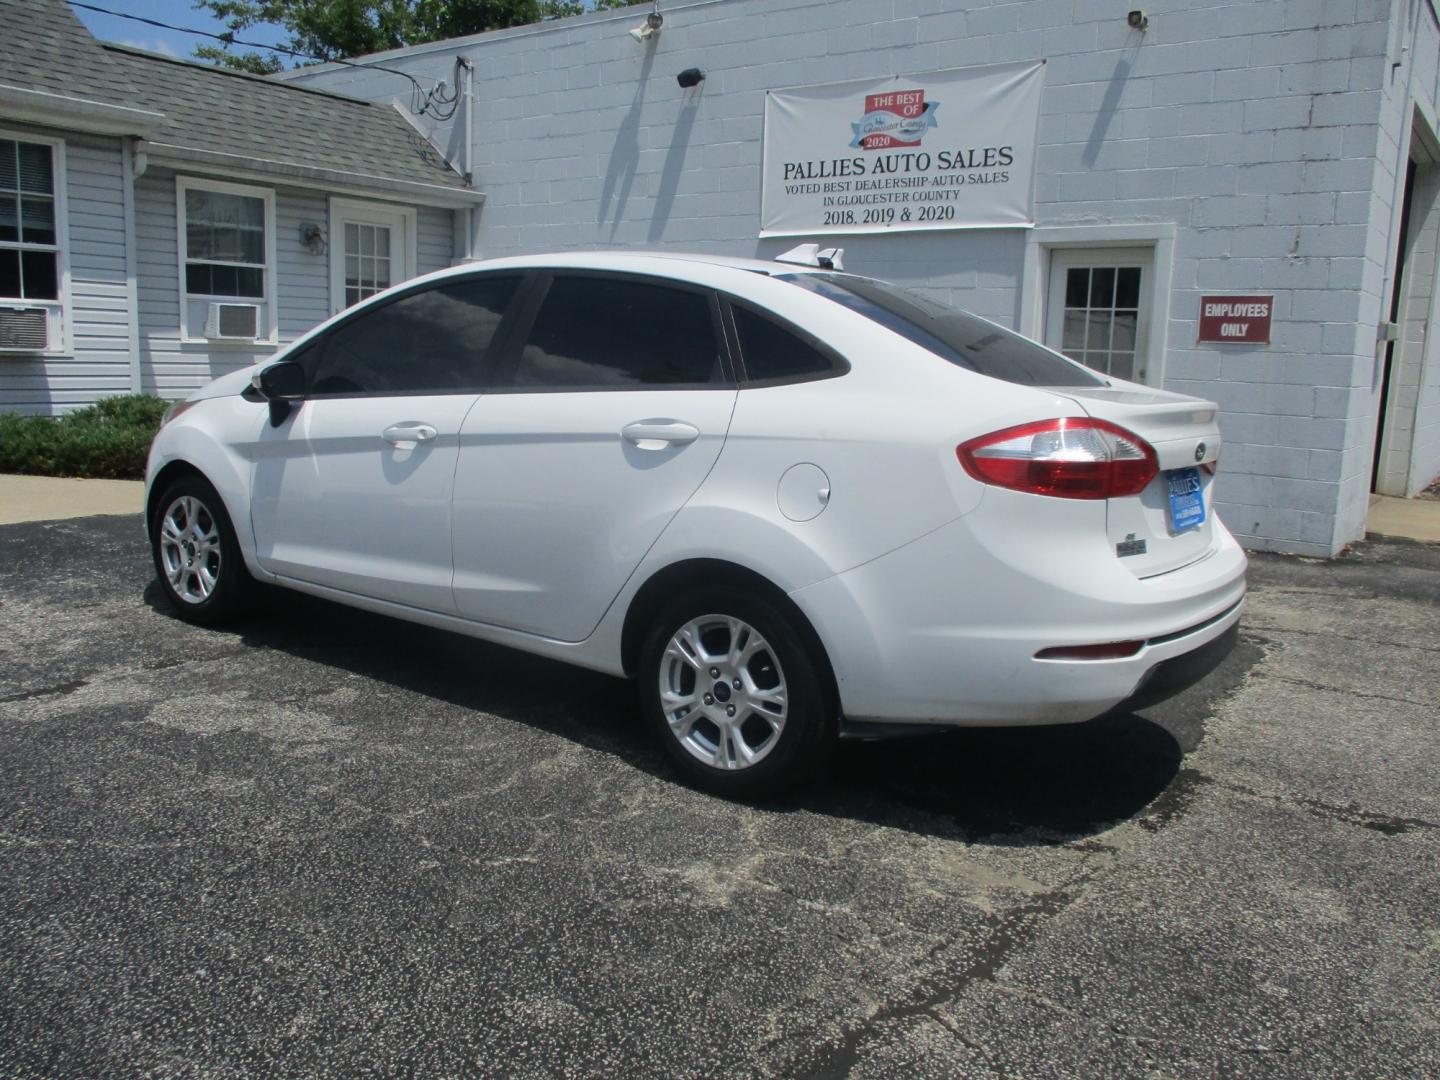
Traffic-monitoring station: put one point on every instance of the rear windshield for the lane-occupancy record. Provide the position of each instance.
(963, 339)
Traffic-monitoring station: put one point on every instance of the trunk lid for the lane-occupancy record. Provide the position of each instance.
(1150, 535)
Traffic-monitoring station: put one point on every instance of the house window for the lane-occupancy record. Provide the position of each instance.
(29, 237)
(224, 244)
(227, 258)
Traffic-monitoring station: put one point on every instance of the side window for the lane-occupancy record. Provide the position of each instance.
(594, 332)
(431, 341)
(29, 238)
(771, 352)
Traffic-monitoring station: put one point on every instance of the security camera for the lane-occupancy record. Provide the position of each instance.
(649, 28)
(1138, 20)
(690, 77)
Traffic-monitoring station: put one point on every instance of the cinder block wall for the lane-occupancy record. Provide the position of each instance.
(1267, 132)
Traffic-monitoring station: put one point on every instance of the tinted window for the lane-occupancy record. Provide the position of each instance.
(949, 333)
(429, 341)
(772, 352)
(609, 332)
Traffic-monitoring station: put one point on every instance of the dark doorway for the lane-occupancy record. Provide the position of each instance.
(1397, 294)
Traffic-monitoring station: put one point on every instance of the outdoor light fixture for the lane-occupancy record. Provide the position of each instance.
(312, 238)
(650, 27)
(690, 77)
(1138, 20)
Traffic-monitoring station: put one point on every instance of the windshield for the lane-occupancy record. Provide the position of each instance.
(961, 338)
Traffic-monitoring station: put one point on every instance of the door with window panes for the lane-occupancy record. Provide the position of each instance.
(1097, 309)
(371, 249)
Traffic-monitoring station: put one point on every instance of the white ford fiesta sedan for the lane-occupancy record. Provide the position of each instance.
(793, 502)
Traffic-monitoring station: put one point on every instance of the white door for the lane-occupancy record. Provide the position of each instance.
(1098, 309)
(372, 247)
(353, 491)
(605, 419)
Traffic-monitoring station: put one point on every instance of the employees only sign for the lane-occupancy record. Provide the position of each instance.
(1241, 320)
(945, 150)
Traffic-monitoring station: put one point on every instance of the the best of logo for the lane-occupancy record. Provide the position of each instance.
(897, 118)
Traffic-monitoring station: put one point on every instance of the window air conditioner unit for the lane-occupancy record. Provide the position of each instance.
(239, 322)
(24, 329)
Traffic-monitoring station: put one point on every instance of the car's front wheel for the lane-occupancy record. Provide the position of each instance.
(197, 557)
(735, 692)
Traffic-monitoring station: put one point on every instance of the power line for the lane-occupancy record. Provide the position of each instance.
(231, 39)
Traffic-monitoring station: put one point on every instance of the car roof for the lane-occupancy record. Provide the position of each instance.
(663, 263)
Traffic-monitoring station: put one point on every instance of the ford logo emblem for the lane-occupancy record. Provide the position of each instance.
(1200, 452)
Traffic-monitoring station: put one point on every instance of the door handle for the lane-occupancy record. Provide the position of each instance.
(658, 434)
(407, 435)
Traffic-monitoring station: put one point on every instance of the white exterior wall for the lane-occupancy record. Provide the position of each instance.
(173, 367)
(1264, 134)
(95, 360)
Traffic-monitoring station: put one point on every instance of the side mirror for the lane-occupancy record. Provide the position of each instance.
(281, 384)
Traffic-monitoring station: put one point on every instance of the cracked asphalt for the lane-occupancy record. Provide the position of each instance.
(327, 844)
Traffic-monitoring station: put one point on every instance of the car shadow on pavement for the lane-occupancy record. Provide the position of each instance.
(1035, 785)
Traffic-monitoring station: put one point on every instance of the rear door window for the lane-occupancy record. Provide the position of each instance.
(619, 333)
(774, 353)
(434, 340)
(951, 334)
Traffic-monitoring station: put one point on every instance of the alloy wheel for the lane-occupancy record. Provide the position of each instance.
(190, 549)
(722, 692)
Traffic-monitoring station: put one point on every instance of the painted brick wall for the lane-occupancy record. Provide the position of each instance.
(1266, 131)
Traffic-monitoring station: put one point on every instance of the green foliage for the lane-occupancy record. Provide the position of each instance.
(253, 62)
(110, 439)
(337, 29)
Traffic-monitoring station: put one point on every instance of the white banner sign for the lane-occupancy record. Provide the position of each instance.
(948, 150)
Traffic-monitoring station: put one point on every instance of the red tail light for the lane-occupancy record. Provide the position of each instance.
(1112, 650)
(1074, 457)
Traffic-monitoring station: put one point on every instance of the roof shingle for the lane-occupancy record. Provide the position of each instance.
(45, 47)
(210, 108)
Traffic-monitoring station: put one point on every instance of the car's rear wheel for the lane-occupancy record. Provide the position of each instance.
(734, 690)
(197, 557)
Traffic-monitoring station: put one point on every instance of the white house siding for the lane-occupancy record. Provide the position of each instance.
(1265, 132)
(95, 362)
(435, 240)
(172, 367)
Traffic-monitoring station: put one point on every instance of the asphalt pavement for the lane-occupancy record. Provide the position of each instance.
(328, 844)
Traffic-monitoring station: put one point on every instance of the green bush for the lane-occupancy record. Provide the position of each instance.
(109, 439)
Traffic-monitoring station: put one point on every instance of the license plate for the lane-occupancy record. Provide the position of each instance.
(1187, 499)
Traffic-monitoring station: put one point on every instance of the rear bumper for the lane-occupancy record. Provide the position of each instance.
(1170, 677)
(946, 629)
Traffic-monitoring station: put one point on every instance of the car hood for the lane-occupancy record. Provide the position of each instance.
(228, 385)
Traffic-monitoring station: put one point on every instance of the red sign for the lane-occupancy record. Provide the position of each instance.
(1239, 319)
(897, 118)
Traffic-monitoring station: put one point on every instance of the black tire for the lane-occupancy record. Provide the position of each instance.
(178, 566)
(811, 721)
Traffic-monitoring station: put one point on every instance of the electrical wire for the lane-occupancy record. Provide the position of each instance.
(421, 99)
